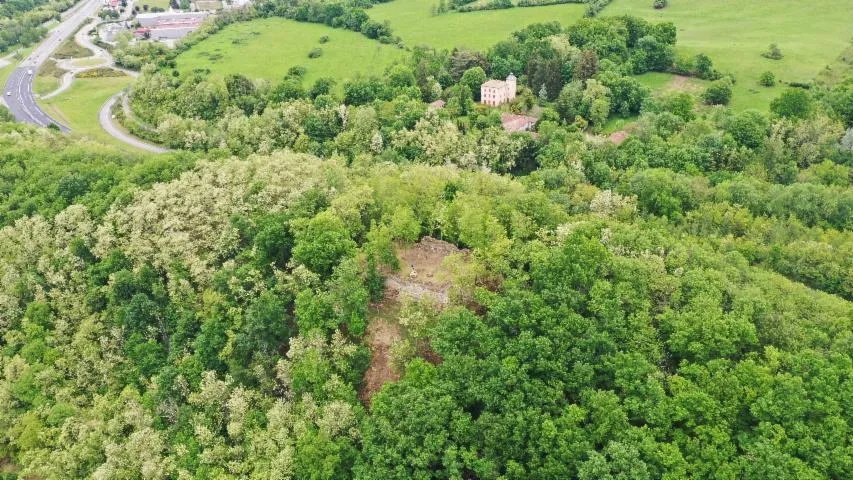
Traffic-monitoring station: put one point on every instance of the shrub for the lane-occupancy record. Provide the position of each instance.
(773, 52)
(594, 7)
(296, 71)
(719, 92)
(749, 128)
(767, 79)
(793, 103)
(659, 4)
(803, 85)
(704, 67)
(324, 39)
(315, 52)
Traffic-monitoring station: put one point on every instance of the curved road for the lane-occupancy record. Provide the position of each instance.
(20, 98)
(19, 95)
(82, 38)
(105, 116)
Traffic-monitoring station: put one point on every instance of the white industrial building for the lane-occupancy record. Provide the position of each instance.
(147, 20)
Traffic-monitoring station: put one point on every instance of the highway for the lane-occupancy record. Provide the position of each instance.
(18, 93)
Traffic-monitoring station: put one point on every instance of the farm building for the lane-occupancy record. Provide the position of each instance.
(498, 92)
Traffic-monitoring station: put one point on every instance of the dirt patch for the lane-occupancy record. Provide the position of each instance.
(422, 276)
(682, 83)
(618, 137)
(422, 272)
(678, 82)
(382, 332)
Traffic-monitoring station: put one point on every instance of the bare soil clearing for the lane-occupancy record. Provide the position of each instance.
(381, 335)
(422, 275)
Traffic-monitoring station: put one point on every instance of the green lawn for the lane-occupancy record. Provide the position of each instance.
(88, 62)
(44, 84)
(78, 107)
(267, 48)
(164, 4)
(662, 82)
(48, 77)
(734, 33)
(414, 22)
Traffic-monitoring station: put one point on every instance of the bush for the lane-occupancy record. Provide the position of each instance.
(773, 52)
(719, 92)
(490, 5)
(793, 103)
(767, 79)
(324, 39)
(594, 7)
(296, 71)
(315, 52)
(803, 85)
(749, 128)
(704, 67)
(659, 4)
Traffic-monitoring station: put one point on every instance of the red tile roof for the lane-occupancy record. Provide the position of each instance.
(517, 123)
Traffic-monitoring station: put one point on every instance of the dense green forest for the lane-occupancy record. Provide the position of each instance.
(22, 21)
(675, 306)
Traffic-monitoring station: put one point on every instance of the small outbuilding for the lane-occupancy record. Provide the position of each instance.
(517, 123)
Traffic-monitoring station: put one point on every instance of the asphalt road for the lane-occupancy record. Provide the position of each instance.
(106, 118)
(18, 94)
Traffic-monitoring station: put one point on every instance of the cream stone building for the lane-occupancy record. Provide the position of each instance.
(497, 92)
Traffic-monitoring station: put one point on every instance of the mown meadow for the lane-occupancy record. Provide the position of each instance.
(415, 23)
(268, 48)
(78, 106)
(735, 33)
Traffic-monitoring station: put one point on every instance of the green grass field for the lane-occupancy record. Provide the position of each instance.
(78, 107)
(734, 33)
(164, 4)
(88, 62)
(267, 48)
(44, 84)
(48, 78)
(662, 82)
(70, 49)
(414, 22)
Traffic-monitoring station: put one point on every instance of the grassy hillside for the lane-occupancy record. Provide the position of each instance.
(267, 48)
(734, 33)
(414, 22)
